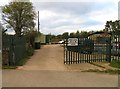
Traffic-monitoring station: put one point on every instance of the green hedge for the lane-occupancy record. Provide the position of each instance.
(29, 52)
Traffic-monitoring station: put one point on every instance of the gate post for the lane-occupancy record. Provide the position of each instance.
(108, 49)
(12, 54)
(65, 51)
(78, 49)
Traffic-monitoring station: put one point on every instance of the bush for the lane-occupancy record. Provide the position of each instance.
(30, 51)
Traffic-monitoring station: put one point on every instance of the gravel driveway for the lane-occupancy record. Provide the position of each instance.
(49, 57)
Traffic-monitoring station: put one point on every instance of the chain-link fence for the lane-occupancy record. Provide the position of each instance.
(13, 49)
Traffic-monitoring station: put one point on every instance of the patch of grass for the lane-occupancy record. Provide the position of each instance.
(22, 61)
(97, 65)
(9, 67)
(115, 64)
(103, 71)
(112, 71)
(92, 70)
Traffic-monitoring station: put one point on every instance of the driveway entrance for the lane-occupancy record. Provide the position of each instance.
(49, 57)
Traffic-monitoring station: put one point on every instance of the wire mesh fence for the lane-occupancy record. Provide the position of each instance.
(13, 49)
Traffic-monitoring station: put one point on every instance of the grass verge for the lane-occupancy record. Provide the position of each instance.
(9, 67)
(97, 65)
(115, 64)
(22, 61)
(110, 71)
(103, 71)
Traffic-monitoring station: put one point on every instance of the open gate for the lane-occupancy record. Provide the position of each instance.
(95, 48)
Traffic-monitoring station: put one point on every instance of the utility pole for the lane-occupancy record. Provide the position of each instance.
(38, 22)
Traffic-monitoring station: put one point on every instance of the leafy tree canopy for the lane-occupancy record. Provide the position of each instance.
(113, 26)
(19, 15)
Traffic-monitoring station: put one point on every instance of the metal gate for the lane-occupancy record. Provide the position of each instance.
(115, 50)
(97, 47)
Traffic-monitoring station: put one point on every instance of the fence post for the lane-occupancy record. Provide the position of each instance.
(108, 49)
(12, 53)
(1, 39)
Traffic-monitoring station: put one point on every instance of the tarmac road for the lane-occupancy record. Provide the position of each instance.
(43, 78)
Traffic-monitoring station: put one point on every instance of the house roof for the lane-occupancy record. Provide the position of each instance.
(100, 32)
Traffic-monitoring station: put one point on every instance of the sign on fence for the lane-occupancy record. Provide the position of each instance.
(73, 42)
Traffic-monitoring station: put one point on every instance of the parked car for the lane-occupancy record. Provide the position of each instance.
(61, 42)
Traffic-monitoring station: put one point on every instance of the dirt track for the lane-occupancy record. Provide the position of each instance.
(49, 57)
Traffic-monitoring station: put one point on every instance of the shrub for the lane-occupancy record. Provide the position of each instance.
(30, 51)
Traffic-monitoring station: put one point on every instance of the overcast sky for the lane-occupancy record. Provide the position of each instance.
(59, 17)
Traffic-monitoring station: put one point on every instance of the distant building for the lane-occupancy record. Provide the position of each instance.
(99, 36)
(41, 38)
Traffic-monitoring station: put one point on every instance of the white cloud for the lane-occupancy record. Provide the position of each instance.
(71, 17)
(93, 27)
(51, 19)
(72, 28)
(59, 30)
(104, 15)
(57, 19)
(46, 14)
(4, 2)
(74, 0)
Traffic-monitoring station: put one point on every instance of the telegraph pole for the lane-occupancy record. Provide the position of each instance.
(38, 22)
(37, 38)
